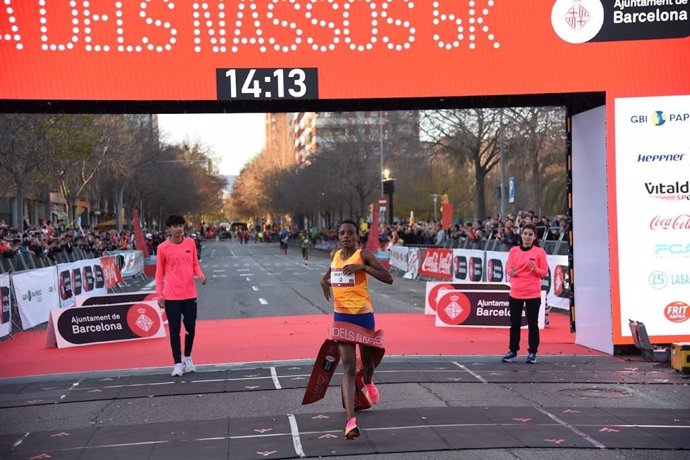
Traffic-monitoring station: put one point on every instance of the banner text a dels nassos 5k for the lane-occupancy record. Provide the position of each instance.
(338, 49)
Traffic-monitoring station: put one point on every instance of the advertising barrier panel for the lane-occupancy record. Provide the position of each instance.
(75, 327)
(78, 278)
(433, 290)
(36, 292)
(111, 272)
(398, 257)
(478, 307)
(412, 264)
(133, 262)
(437, 263)
(5, 306)
(468, 265)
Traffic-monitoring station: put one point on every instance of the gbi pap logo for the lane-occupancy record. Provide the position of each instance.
(660, 118)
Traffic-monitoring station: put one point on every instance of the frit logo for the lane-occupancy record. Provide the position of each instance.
(677, 312)
(674, 191)
(679, 222)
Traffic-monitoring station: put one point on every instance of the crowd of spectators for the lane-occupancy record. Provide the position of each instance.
(48, 240)
(433, 234)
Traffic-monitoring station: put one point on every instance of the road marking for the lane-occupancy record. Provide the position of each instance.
(263, 301)
(274, 376)
(582, 434)
(295, 436)
(242, 269)
(248, 279)
(254, 288)
(218, 271)
(477, 376)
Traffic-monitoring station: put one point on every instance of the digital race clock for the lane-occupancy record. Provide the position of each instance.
(255, 84)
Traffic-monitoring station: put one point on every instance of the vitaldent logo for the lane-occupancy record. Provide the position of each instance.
(577, 21)
(675, 191)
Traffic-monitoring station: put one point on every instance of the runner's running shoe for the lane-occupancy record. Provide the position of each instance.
(531, 358)
(351, 429)
(373, 393)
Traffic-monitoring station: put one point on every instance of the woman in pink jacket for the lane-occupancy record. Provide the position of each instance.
(526, 266)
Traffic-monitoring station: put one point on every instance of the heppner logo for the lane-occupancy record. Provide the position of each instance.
(660, 157)
(675, 191)
(659, 118)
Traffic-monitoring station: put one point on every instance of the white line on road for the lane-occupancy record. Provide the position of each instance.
(295, 436)
(249, 279)
(475, 375)
(263, 301)
(254, 288)
(274, 376)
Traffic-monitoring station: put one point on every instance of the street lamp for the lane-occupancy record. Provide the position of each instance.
(388, 186)
(435, 196)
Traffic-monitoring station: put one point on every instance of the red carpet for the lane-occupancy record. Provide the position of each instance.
(272, 339)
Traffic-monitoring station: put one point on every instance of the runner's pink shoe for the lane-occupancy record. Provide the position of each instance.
(351, 429)
(373, 393)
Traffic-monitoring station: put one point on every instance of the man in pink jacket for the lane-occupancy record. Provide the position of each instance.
(176, 264)
(526, 266)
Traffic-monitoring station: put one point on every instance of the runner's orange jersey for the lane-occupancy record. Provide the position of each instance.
(350, 294)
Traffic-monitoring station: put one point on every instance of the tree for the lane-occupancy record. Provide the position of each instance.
(468, 137)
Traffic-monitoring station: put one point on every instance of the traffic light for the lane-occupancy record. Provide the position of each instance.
(388, 187)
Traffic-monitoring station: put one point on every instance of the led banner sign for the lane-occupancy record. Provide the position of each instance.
(196, 50)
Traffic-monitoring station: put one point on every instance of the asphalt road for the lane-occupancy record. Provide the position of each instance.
(258, 282)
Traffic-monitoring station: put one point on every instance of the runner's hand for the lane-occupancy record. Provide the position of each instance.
(161, 303)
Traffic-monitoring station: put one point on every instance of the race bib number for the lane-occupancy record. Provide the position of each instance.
(340, 279)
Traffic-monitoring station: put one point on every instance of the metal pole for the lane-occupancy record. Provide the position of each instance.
(381, 148)
(501, 165)
(435, 198)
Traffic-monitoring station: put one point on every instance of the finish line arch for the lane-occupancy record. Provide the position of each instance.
(622, 72)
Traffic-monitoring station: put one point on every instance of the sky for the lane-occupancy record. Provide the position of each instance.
(234, 138)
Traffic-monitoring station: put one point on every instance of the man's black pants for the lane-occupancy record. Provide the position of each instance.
(177, 311)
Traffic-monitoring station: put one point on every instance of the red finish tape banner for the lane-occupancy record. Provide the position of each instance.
(337, 49)
(329, 357)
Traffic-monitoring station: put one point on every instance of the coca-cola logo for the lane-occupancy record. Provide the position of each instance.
(437, 262)
(679, 222)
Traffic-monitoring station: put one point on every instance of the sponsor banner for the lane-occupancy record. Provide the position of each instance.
(437, 263)
(36, 293)
(468, 265)
(5, 306)
(124, 297)
(478, 308)
(412, 264)
(495, 267)
(653, 221)
(434, 288)
(75, 327)
(557, 282)
(398, 257)
(132, 262)
(247, 51)
(111, 272)
(80, 278)
(90, 300)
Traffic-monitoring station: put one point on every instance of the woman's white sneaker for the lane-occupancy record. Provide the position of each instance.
(188, 364)
(177, 370)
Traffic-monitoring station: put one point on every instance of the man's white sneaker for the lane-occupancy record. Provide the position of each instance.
(177, 370)
(188, 364)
